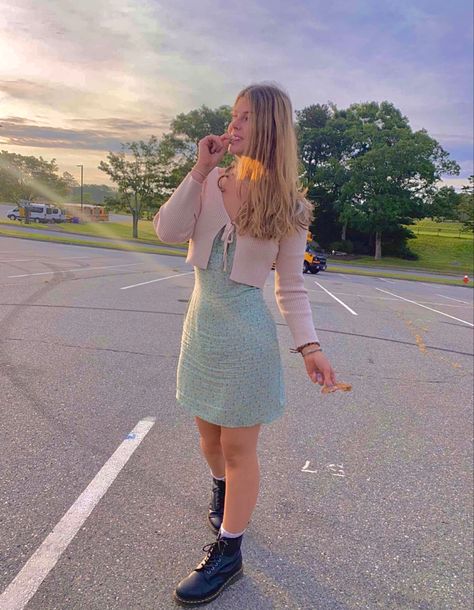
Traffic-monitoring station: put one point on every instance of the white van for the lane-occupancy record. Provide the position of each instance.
(38, 212)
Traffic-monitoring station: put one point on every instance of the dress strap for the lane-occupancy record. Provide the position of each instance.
(227, 238)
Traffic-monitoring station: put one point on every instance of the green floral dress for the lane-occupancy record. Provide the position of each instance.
(229, 370)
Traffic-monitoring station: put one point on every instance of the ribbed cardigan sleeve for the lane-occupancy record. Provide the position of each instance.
(290, 292)
(175, 220)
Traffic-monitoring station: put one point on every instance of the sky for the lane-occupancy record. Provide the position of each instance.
(79, 78)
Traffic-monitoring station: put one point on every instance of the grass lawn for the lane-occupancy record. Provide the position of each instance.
(111, 245)
(112, 230)
(437, 254)
(430, 227)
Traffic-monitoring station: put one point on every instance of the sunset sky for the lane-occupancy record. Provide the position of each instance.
(79, 78)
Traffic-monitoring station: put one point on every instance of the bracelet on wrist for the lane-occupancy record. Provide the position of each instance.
(299, 350)
(311, 351)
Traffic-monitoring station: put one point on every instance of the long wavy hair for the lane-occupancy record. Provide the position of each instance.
(275, 205)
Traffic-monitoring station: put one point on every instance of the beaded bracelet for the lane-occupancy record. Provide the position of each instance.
(299, 349)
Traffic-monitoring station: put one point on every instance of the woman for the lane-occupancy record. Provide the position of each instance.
(239, 221)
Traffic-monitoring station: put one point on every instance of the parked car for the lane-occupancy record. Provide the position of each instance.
(322, 256)
(313, 262)
(14, 214)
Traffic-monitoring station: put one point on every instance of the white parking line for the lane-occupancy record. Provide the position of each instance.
(338, 300)
(388, 281)
(24, 260)
(451, 298)
(160, 279)
(27, 581)
(426, 307)
(81, 269)
(371, 296)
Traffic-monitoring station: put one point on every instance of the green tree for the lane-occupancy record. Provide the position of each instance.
(365, 169)
(394, 181)
(32, 178)
(444, 204)
(326, 144)
(465, 208)
(140, 172)
(201, 122)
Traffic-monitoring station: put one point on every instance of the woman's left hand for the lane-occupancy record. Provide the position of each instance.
(319, 369)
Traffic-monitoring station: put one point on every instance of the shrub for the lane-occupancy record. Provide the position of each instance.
(344, 245)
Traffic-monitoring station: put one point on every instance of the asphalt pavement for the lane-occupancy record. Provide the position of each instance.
(366, 497)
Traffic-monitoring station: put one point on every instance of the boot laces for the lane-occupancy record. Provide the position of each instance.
(217, 499)
(213, 558)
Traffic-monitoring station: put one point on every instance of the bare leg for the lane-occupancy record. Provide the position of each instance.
(210, 441)
(239, 446)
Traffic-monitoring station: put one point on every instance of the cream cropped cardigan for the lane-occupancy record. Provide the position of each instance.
(196, 212)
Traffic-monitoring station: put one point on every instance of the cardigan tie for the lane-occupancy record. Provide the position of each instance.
(227, 238)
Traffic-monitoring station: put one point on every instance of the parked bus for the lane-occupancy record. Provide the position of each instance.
(88, 213)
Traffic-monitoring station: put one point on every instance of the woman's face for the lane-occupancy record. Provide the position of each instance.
(239, 127)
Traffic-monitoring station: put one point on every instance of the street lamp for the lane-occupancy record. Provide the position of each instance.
(82, 175)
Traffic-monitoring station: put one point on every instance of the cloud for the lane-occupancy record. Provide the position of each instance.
(102, 135)
(89, 68)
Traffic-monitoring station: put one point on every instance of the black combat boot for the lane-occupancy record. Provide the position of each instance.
(216, 506)
(221, 566)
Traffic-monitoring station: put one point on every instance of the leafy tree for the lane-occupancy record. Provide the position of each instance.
(140, 172)
(201, 122)
(465, 208)
(394, 181)
(364, 167)
(444, 204)
(31, 178)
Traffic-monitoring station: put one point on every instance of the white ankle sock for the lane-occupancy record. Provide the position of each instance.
(225, 534)
(217, 478)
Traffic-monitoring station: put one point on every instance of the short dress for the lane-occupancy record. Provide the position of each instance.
(229, 369)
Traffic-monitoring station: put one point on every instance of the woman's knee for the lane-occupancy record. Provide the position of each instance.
(210, 436)
(239, 446)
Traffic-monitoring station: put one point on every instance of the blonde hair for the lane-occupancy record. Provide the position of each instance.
(275, 204)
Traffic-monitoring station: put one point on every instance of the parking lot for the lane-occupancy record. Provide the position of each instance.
(366, 497)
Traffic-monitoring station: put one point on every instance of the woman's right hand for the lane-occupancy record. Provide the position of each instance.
(211, 151)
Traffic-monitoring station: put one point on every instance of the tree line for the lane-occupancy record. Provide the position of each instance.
(367, 173)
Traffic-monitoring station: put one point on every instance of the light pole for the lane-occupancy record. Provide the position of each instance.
(82, 175)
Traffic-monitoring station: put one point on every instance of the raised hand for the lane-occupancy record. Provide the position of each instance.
(211, 151)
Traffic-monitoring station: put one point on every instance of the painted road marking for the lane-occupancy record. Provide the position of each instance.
(305, 467)
(160, 279)
(388, 281)
(426, 307)
(336, 299)
(27, 581)
(451, 298)
(38, 260)
(349, 294)
(337, 470)
(370, 296)
(81, 269)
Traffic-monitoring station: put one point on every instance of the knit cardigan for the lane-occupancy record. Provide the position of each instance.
(196, 212)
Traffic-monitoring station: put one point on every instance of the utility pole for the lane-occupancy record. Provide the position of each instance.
(82, 176)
